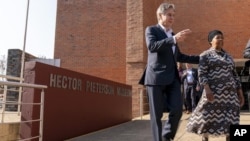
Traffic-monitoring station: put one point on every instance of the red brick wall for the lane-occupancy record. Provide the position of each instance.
(90, 37)
(118, 52)
(139, 14)
(231, 17)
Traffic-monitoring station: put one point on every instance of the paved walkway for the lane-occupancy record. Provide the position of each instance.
(139, 130)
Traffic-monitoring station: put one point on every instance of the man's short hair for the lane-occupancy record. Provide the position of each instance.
(163, 8)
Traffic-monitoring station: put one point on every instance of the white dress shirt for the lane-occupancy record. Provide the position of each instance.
(169, 32)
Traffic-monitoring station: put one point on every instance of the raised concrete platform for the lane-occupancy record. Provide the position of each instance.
(9, 117)
(9, 126)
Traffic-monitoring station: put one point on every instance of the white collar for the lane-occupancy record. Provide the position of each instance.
(170, 30)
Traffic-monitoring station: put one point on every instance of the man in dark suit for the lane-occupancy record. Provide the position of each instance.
(161, 76)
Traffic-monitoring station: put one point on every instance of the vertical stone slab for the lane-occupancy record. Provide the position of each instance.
(14, 62)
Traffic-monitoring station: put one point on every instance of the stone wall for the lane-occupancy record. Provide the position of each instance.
(75, 103)
(14, 65)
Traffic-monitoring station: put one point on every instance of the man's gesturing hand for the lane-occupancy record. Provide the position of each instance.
(180, 36)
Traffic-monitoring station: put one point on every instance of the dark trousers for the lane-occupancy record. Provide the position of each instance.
(190, 98)
(174, 104)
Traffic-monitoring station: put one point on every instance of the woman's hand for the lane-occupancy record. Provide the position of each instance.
(210, 96)
(209, 93)
(241, 97)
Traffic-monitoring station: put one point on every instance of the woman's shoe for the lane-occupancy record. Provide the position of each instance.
(204, 138)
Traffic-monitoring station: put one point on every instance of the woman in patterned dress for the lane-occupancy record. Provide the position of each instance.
(222, 97)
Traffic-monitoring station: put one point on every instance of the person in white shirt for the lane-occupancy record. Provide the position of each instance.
(191, 87)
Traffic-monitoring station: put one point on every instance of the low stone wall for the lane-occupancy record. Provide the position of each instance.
(75, 103)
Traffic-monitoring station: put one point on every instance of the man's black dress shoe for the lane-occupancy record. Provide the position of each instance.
(166, 139)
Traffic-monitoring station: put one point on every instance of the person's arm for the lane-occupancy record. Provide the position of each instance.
(198, 86)
(192, 59)
(183, 77)
(240, 96)
(238, 84)
(203, 71)
(209, 93)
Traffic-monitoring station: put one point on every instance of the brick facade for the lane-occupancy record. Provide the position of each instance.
(106, 38)
(90, 37)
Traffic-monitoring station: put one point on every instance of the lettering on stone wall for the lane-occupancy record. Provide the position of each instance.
(71, 83)
(123, 91)
(65, 82)
(96, 87)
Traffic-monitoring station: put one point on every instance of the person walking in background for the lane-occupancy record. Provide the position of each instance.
(191, 87)
(219, 106)
(161, 76)
(199, 90)
(181, 71)
(246, 54)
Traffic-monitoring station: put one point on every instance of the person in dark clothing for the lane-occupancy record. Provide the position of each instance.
(191, 87)
(181, 69)
(161, 76)
(222, 97)
(246, 53)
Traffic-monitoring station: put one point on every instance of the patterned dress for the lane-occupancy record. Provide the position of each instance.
(217, 69)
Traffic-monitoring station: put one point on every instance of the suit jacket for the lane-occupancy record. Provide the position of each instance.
(161, 66)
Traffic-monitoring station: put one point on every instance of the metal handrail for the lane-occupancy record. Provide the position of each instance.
(36, 86)
(10, 77)
(17, 84)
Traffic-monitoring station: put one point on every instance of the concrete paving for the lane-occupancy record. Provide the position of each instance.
(139, 130)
